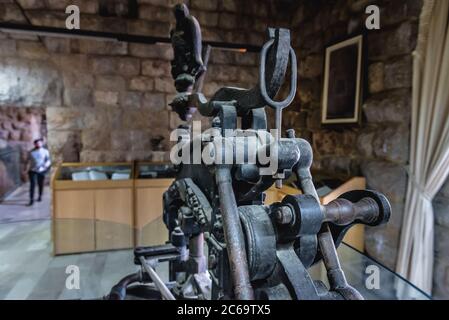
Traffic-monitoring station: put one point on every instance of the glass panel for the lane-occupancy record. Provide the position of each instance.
(96, 173)
(361, 273)
(10, 170)
(155, 171)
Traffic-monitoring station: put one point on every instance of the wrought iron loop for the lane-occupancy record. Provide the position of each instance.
(262, 82)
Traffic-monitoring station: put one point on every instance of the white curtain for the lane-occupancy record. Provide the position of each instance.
(429, 158)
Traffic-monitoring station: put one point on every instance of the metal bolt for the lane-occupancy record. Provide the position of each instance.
(178, 231)
(291, 134)
(186, 212)
(216, 123)
(213, 261)
(284, 215)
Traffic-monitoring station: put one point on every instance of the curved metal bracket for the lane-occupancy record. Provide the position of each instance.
(274, 64)
(262, 76)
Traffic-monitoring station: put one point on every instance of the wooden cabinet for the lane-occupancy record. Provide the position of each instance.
(91, 215)
(73, 221)
(120, 213)
(151, 181)
(108, 214)
(150, 227)
(114, 219)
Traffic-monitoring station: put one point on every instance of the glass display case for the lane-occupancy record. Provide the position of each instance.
(95, 172)
(152, 180)
(373, 280)
(93, 207)
(87, 197)
(155, 171)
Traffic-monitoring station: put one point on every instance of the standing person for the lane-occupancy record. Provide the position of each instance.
(38, 165)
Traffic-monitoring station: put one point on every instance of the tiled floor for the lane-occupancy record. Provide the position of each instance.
(29, 271)
(14, 208)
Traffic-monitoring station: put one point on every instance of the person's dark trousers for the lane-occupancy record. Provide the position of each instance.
(38, 178)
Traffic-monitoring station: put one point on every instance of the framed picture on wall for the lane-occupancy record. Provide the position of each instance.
(342, 92)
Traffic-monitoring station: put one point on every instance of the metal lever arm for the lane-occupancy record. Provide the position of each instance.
(166, 293)
(235, 244)
(342, 212)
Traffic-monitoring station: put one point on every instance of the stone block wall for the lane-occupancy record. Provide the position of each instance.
(19, 127)
(108, 101)
(441, 267)
(378, 148)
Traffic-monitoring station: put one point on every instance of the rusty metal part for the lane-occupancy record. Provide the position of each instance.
(284, 215)
(277, 60)
(186, 40)
(165, 291)
(198, 87)
(254, 250)
(326, 243)
(277, 105)
(260, 240)
(342, 212)
(360, 206)
(336, 276)
(234, 236)
(187, 65)
(301, 283)
(197, 260)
